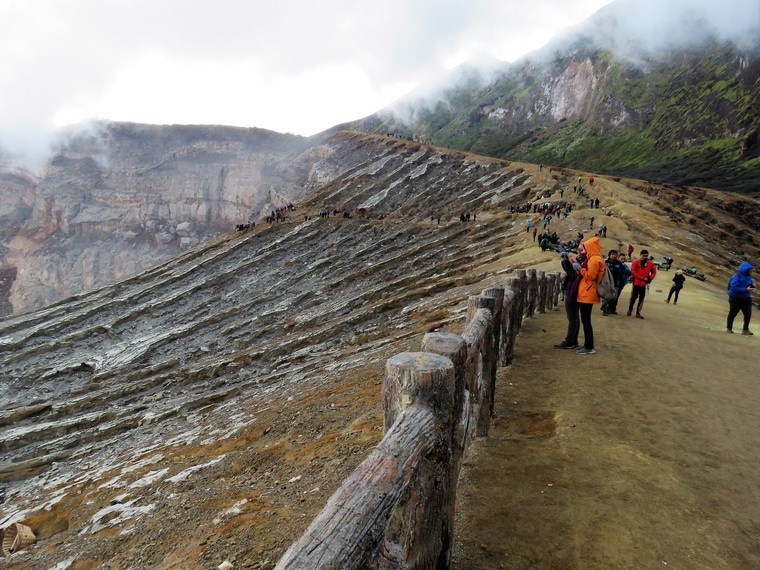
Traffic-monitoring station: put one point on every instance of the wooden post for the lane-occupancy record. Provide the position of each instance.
(422, 527)
(557, 289)
(477, 335)
(531, 293)
(541, 288)
(497, 293)
(394, 510)
(517, 284)
(350, 531)
(506, 315)
(454, 348)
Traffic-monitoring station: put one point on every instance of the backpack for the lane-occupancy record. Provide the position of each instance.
(606, 287)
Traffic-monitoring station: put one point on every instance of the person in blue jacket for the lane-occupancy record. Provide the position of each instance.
(740, 289)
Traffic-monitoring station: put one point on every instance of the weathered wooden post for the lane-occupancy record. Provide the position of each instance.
(499, 327)
(506, 315)
(517, 284)
(542, 291)
(453, 347)
(531, 292)
(421, 530)
(393, 512)
(477, 334)
(556, 289)
(489, 303)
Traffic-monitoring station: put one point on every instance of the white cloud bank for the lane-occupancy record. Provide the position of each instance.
(295, 66)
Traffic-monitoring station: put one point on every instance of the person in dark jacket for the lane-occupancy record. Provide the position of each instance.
(678, 281)
(619, 274)
(740, 289)
(570, 291)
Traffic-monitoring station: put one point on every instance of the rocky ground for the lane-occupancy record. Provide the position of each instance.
(204, 410)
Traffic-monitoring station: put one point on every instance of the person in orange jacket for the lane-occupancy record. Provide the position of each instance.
(587, 295)
(643, 271)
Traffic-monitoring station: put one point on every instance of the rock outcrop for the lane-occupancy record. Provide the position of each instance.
(118, 198)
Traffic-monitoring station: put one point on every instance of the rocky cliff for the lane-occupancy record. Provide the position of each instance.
(118, 198)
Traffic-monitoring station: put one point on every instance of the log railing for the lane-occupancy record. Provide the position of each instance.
(396, 510)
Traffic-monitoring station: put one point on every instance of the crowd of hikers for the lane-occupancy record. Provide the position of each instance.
(585, 267)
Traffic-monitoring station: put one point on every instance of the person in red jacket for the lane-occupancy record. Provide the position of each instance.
(643, 271)
(591, 274)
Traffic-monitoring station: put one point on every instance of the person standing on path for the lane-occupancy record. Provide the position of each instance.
(740, 289)
(643, 271)
(678, 280)
(619, 274)
(570, 291)
(587, 295)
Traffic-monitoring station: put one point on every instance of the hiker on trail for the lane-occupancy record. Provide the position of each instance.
(570, 292)
(630, 250)
(619, 271)
(643, 271)
(535, 230)
(740, 289)
(527, 226)
(596, 202)
(590, 180)
(587, 295)
(678, 281)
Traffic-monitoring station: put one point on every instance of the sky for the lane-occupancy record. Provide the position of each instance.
(293, 66)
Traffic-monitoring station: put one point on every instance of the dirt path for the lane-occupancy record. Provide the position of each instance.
(644, 455)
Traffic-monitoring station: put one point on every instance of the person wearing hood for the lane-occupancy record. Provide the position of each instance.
(740, 289)
(591, 274)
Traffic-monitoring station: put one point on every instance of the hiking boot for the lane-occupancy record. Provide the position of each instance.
(667, 300)
(612, 312)
(628, 313)
(638, 316)
(584, 350)
(565, 344)
(729, 331)
(747, 332)
(605, 313)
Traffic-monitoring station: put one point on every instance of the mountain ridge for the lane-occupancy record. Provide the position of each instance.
(682, 113)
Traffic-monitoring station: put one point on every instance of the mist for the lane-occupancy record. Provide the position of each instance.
(636, 31)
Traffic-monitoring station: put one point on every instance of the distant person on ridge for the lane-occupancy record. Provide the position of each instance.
(587, 295)
(678, 281)
(643, 271)
(740, 289)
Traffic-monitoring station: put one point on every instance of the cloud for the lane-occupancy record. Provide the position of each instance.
(293, 65)
(639, 29)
